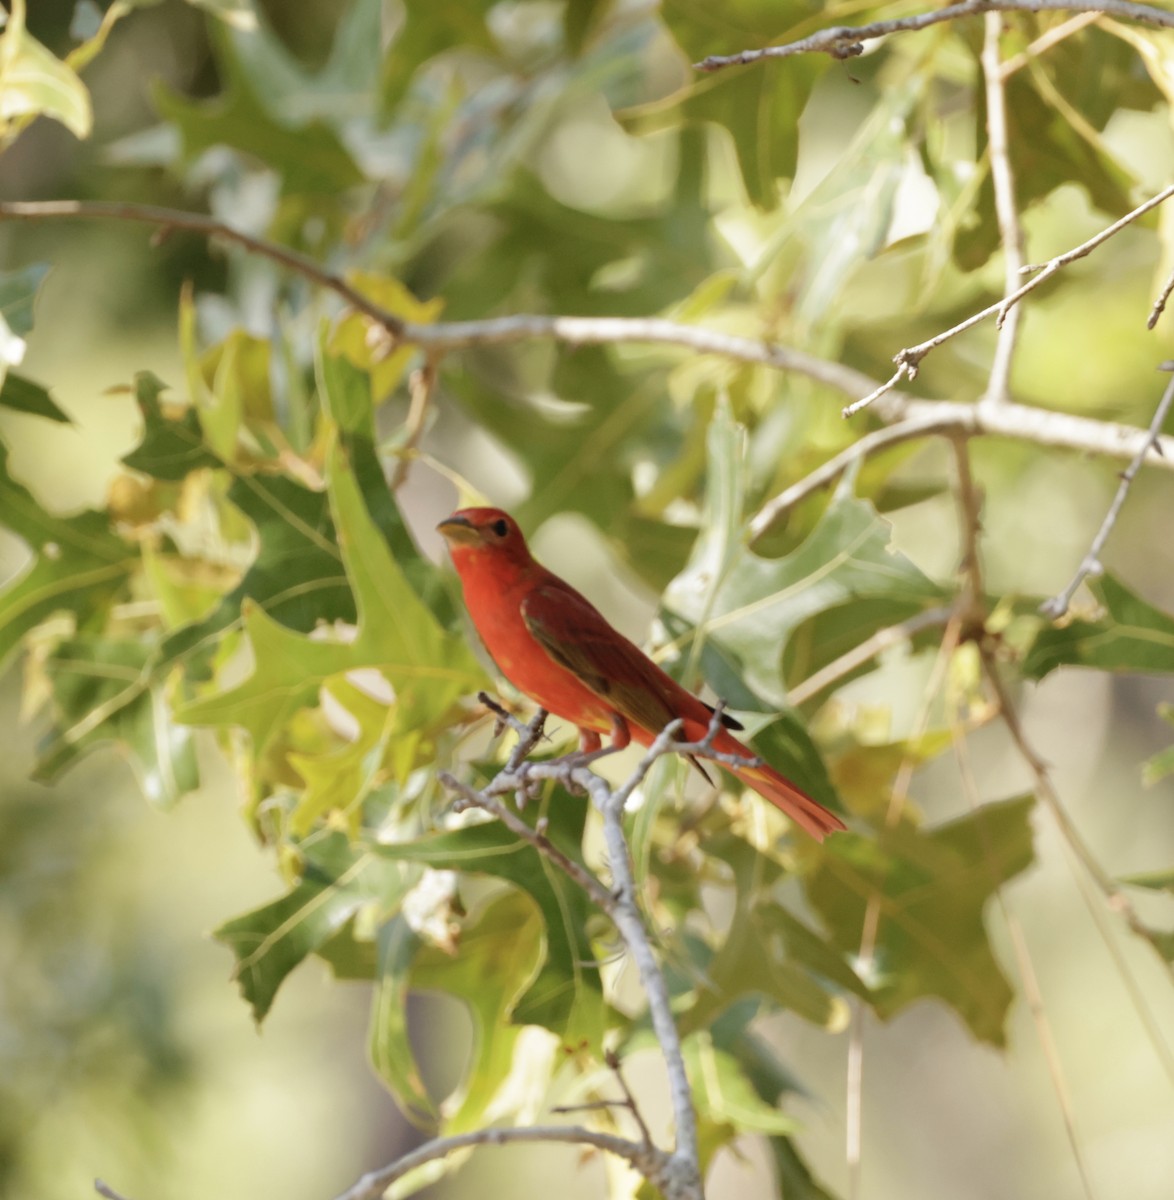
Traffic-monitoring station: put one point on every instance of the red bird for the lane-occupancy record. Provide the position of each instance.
(555, 646)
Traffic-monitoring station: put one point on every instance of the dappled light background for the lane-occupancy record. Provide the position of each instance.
(126, 1053)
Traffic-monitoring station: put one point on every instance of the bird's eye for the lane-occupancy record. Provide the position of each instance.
(500, 528)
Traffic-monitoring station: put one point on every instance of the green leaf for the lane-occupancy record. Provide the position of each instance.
(565, 995)
(254, 115)
(766, 951)
(933, 886)
(1132, 635)
(760, 106)
(724, 1094)
(100, 696)
(270, 941)
(761, 602)
(1162, 763)
(426, 31)
(34, 82)
(79, 564)
(500, 954)
(171, 447)
(23, 395)
(1155, 881)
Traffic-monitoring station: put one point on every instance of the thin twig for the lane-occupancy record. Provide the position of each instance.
(613, 1061)
(866, 651)
(436, 338)
(648, 1160)
(208, 227)
(904, 371)
(1046, 40)
(911, 357)
(827, 473)
(1010, 230)
(870, 927)
(1057, 606)
(846, 42)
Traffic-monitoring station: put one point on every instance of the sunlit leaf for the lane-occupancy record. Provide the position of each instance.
(34, 82)
(760, 602)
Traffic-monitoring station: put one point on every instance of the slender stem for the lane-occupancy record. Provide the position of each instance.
(1057, 606)
(846, 41)
(1010, 230)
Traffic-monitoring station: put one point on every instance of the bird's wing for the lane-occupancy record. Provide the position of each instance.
(576, 635)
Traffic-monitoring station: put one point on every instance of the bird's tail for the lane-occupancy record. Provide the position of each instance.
(784, 795)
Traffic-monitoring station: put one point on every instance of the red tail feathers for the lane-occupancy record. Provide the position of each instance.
(783, 794)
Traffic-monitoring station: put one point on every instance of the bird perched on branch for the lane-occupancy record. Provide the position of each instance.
(558, 649)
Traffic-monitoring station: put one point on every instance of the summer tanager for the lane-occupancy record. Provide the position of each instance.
(555, 646)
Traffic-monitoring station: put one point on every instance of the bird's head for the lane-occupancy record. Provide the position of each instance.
(483, 531)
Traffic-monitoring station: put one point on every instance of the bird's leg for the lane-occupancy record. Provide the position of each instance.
(591, 748)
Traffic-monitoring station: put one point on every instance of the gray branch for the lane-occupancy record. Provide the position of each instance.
(845, 41)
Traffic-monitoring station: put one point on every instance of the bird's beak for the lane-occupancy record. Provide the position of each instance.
(459, 531)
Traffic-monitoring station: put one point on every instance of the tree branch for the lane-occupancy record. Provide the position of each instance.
(1057, 606)
(678, 1174)
(648, 1160)
(438, 338)
(843, 41)
(909, 418)
(909, 359)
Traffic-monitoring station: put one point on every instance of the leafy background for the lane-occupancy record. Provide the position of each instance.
(214, 601)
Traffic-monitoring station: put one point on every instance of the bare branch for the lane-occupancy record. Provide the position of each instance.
(1118, 901)
(435, 339)
(679, 1173)
(1010, 230)
(909, 359)
(904, 370)
(843, 41)
(910, 419)
(648, 1160)
(1057, 606)
(208, 227)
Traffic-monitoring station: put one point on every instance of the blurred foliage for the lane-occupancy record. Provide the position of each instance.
(251, 573)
